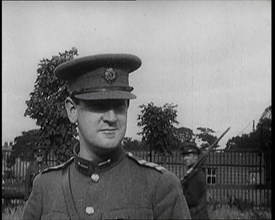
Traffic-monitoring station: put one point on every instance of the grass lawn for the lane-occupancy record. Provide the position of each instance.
(227, 212)
(12, 213)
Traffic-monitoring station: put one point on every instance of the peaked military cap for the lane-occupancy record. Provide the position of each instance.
(103, 76)
(190, 148)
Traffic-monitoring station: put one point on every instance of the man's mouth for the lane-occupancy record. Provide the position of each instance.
(109, 130)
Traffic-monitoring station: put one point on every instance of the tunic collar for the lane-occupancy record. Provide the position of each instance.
(106, 162)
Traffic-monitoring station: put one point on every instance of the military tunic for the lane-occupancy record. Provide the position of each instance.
(195, 193)
(33, 170)
(120, 187)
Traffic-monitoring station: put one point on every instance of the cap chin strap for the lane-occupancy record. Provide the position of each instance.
(102, 89)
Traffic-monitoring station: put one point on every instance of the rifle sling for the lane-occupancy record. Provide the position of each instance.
(66, 187)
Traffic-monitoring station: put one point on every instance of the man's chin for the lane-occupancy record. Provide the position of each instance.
(108, 146)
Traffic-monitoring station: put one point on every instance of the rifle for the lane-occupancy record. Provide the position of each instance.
(194, 168)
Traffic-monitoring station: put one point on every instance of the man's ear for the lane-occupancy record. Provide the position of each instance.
(71, 110)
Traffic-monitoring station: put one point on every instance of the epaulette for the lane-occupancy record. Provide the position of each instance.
(60, 166)
(145, 163)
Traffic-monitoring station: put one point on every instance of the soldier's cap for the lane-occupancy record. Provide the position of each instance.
(190, 148)
(102, 76)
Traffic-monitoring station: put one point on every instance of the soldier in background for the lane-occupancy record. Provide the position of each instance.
(34, 169)
(195, 189)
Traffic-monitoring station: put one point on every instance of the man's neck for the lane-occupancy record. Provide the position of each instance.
(92, 153)
(87, 154)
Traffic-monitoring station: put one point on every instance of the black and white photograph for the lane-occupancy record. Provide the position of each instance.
(136, 110)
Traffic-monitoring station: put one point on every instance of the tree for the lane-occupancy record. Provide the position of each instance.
(260, 139)
(23, 146)
(244, 142)
(129, 144)
(46, 107)
(206, 135)
(157, 125)
(185, 134)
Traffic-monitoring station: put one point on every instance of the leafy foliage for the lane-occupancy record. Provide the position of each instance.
(186, 135)
(129, 144)
(207, 136)
(260, 139)
(46, 106)
(157, 125)
(23, 146)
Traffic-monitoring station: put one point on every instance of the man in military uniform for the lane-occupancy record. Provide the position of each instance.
(101, 180)
(34, 169)
(195, 188)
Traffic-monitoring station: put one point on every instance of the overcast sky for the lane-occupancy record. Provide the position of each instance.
(211, 58)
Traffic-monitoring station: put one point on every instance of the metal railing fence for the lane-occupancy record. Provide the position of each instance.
(233, 177)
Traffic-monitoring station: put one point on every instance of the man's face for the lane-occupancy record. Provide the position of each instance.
(102, 123)
(190, 159)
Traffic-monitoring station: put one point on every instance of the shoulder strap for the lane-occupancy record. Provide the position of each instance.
(66, 187)
(145, 163)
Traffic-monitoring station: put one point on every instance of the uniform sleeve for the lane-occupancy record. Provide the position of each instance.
(195, 189)
(33, 207)
(169, 201)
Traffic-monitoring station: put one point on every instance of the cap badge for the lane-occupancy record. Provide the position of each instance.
(110, 75)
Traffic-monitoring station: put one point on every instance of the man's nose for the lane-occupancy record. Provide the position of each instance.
(110, 116)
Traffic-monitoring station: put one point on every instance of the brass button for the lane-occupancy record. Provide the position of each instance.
(95, 177)
(90, 210)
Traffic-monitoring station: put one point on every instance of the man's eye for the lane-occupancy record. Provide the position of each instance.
(99, 107)
(119, 106)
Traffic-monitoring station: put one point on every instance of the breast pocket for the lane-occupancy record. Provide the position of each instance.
(138, 213)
